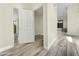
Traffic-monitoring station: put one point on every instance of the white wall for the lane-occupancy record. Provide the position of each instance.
(6, 26)
(38, 24)
(45, 42)
(65, 22)
(51, 23)
(73, 19)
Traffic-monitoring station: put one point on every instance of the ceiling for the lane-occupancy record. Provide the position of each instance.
(62, 9)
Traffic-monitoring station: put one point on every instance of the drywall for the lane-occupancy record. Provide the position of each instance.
(38, 25)
(51, 23)
(45, 42)
(73, 19)
(65, 22)
(39, 22)
(6, 26)
(27, 6)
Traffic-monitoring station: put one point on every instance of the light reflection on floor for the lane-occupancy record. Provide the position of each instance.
(69, 39)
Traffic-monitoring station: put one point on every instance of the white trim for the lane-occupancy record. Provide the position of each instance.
(5, 48)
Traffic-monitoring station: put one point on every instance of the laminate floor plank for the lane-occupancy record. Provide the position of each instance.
(19, 51)
(12, 49)
(42, 53)
(71, 50)
(25, 49)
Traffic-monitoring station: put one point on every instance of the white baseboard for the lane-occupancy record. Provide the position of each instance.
(5, 48)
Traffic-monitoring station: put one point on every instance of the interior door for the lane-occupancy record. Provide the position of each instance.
(26, 26)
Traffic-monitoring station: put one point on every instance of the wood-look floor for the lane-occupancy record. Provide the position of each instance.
(27, 49)
(62, 47)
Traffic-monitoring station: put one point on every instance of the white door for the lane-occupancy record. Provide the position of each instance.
(26, 26)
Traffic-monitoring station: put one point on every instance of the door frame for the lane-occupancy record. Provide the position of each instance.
(44, 25)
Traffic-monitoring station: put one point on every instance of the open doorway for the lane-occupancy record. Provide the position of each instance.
(38, 13)
(21, 18)
(23, 21)
(62, 19)
(15, 25)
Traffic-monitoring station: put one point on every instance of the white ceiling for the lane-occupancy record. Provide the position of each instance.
(62, 9)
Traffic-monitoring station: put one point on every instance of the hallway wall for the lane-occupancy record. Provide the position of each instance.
(6, 29)
(73, 19)
(51, 23)
(38, 24)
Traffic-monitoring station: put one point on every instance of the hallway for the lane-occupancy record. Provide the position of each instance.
(64, 47)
